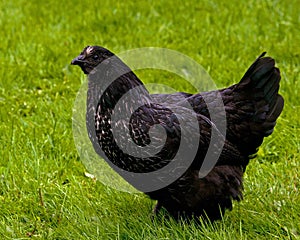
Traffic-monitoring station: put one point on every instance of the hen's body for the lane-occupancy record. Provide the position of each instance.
(251, 107)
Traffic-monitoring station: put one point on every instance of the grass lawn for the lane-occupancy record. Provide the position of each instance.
(44, 193)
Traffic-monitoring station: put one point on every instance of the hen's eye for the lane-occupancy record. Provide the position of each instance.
(95, 57)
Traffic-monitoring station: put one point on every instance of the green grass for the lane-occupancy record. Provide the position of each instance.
(43, 191)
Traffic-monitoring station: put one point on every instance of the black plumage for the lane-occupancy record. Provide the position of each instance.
(252, 107)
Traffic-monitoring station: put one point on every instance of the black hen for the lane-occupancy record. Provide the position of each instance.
(251, 107)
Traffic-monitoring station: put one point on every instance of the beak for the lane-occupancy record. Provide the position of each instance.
(78, 60)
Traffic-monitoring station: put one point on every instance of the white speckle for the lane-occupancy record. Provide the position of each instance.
(89, 50)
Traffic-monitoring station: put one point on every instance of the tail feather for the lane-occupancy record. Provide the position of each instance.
(258, 89)
(276, 109)
(263, 84)
(252, 67)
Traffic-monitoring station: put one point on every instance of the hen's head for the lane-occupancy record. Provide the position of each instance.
(90, 57)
